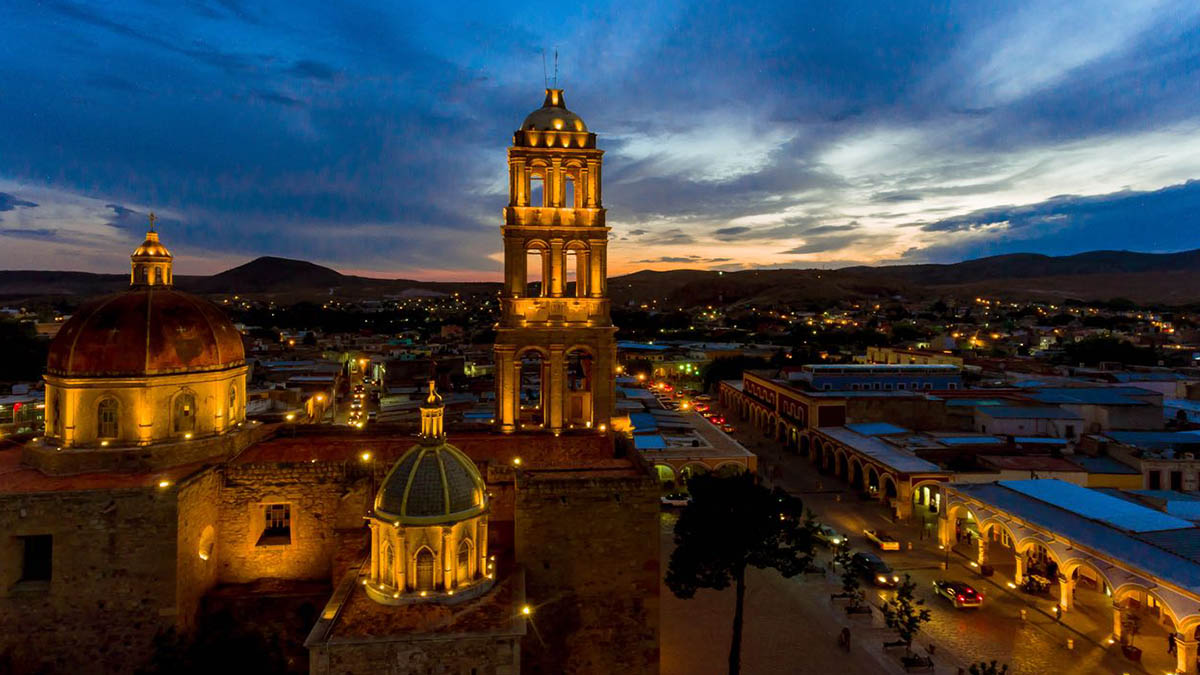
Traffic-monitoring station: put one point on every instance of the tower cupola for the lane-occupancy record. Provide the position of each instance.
(151, 263)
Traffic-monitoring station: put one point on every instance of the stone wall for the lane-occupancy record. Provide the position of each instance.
(455, 656)
(590, 549)
(322, 497)
(196, 537)
(112, 586)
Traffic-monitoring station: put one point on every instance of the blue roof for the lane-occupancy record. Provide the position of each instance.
(643, 421)
(1093, 395)
(884, 453)
(970, 440)
(876, 429)
(644, 346)
(1155, 440)
(973, 402)
(1042, 440)
(649, 442)
(1096, 505)
(1029, 412)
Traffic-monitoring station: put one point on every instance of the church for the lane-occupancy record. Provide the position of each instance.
(151, 503)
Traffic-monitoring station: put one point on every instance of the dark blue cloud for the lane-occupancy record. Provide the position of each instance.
(9, 202)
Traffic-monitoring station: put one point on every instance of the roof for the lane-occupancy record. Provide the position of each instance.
(1096, 505)
(649, 442)
(1167, 554)
(1103, 465)
(1155, 440)
(432, 483)
(1027, 412)
(885, 454)
(1030, 463)
(553, 115)
(145, 331)
(1093, 395)
(876, 429)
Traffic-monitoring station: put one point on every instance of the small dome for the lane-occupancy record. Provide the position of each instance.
(431, 484)
(151, 248)
(553, 115)
(148, 330)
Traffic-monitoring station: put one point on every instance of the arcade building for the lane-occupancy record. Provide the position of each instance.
(151, 504)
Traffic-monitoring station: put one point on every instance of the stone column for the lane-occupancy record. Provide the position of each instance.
(1118, 629)
(506, 389)
(594, 265)
(982, 558)
(554, 183)
(1019, 572)
(945, 530)
(401, 562)
(556, 268)
(374, 553)
(1185, 655)
(1066, 592)
(582, 272)
(557, 388)
(526, 176)
(481, 548)
(447, 558)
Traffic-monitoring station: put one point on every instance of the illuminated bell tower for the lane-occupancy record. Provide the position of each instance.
(151, 263)
(554, 342)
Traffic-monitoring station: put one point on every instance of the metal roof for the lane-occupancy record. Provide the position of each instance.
(1028, 412)
(876, 429)
(1097, 505)
(884, 453)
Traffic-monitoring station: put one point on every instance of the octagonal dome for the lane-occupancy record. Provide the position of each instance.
(553, 115)
(431, 484)
(150, 330)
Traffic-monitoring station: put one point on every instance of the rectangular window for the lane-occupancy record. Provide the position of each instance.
(1155, 480)
(1177, 480)
(277, 525)
(37, 557)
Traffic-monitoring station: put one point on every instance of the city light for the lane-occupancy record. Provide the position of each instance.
(366, 456)
(526, 610)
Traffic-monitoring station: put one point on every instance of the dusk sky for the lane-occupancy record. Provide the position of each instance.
(371, 137)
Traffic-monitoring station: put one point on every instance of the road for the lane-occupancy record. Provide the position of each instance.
(1033, 644)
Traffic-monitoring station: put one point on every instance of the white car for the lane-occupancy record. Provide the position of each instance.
(829, 536)
(883, 540)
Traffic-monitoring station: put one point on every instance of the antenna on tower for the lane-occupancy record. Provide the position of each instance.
(556, 67)
(545, 75)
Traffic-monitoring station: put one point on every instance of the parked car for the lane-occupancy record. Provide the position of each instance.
(958, 593)
(829, 536)
(675, 499)
(728, 428)
(883, 540)
(877, 571)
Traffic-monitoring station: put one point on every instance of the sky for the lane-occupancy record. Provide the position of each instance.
(371, 137)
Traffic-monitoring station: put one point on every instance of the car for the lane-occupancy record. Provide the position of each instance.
(960, 594)
(371, 416)
(728, 428)
(883, 540)
(829, 536)
(675, 499)
(719, 419)
(876, 570)
(701, 407)
(703, 397)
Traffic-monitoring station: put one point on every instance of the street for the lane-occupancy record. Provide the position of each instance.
(791, 625)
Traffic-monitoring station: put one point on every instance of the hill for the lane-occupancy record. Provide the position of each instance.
(1150, 278)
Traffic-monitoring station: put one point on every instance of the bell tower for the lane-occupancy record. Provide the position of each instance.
(555, 351)
(151, 263)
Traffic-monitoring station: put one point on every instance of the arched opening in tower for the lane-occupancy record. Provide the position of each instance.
(537, 260)
(537, 190)
(534, 378)
(579, 388)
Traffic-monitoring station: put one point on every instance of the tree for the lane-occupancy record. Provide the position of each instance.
(852, 571)
(988, 668)
(905, 613)
(733, 523)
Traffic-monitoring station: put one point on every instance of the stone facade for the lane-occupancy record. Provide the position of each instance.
(591, 552)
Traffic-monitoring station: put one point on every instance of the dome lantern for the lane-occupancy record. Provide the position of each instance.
(151, 263)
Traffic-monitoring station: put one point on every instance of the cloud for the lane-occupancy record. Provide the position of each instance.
(312, 70)
(687, 259)
(9, 202)
(29, 234)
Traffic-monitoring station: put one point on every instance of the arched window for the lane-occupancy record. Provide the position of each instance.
(425, 570)
(106, 418)
(183, 415)
(232, 402)
(464, 561)
(158, 276)
(387, 565)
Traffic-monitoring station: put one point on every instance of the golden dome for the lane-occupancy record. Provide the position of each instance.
(151, 248)
(553, 115)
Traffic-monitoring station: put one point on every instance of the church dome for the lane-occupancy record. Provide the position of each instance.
(553, 115)
(152, 248)
(147, 330)
(432, 484)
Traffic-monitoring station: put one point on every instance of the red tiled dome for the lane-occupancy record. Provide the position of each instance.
(145, 331)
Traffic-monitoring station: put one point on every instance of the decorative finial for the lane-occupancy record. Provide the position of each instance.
(152, 219)
(433, 395)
